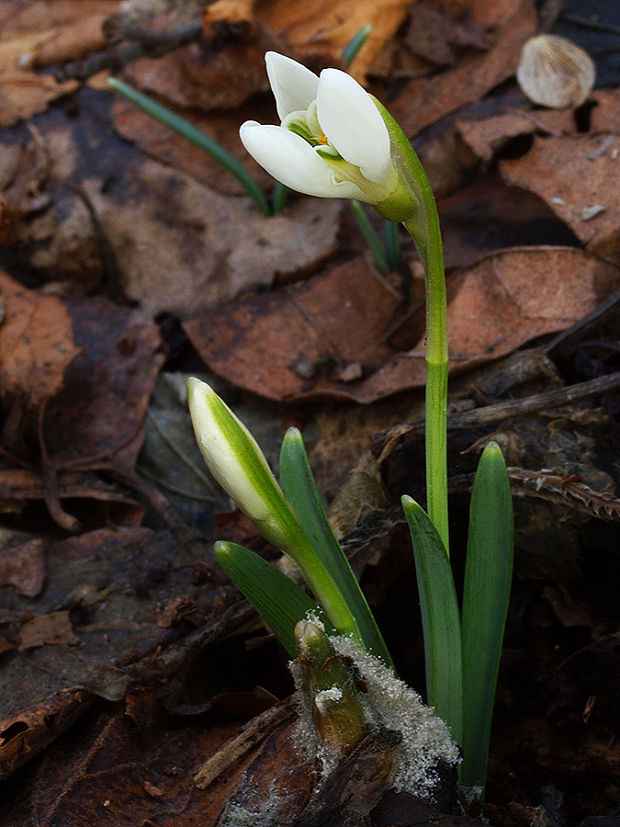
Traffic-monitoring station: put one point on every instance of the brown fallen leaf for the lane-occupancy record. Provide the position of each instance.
(22, 566)
(70, 41)
(176, 244)
(334, 319)
(486, 137)
(53, 629)
(204, 79)
(326, 27)
(23, 93)
(433, 32)
(112, 584)
(159, 142)
(21, 486)
(425, 100)
(579, 183)
(24, 735)
(103, 400)
(106, 392)
(109, 772)
(38, 15)
(499, 304)
(36, 343)
(605, 115)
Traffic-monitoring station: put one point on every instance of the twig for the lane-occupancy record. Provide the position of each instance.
(490, 414)
(567, 490)
(565, 342)
(144, 43)
(252, 734)
(590, 23)
(533, 404)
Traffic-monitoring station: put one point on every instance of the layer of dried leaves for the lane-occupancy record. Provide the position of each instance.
(130, 257)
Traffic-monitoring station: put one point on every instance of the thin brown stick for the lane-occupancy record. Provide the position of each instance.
(252, 734)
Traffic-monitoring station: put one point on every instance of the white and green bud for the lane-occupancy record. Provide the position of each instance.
(239, 466)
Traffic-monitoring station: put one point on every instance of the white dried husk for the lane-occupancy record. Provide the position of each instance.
(555, 72)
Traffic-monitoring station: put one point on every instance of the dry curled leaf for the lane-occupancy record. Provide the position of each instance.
(53, 629)
(425, 100)
(36, 343)
(494, 307)
(572, 175)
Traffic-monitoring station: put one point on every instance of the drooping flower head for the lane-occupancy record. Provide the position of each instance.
(332, 142)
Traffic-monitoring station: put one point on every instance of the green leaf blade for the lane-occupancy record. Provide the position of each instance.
(279, 601)
(195, 136)
(300, 489)
(370, 237)
(440, 617)
(488, 576)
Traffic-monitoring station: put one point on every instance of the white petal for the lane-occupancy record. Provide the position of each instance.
(218, 452)
(291, 160)
(352, 123)
(294, 86)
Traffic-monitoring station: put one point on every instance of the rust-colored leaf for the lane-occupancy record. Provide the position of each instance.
(326, 27)
(103, 403)
(605, 116)
(579, 183)
(53, 629)
(486, 137)
(25, 734)
(36, 343)
(23, 92)
(280, 344)
(110, 772)
(22, 566)
(425, 100)
(497, 305)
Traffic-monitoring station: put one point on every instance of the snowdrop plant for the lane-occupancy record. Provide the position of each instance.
(336, 140)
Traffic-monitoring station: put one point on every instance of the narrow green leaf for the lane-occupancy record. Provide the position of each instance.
(279, 602)
(440, 617)
(355, 44)
(488, 575)
(370, 237)
(301, 491)
(278, 196)
(191, 133)
(392, 244)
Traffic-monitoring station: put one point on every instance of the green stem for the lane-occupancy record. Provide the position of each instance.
(436, 368)
(422, 224)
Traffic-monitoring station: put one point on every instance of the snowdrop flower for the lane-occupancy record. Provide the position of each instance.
(333, 141)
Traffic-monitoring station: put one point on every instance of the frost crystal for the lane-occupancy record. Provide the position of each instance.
(322, 699)
(389, 703)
